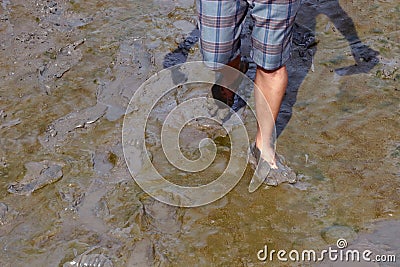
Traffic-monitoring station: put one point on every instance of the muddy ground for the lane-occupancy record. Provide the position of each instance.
(68, 70)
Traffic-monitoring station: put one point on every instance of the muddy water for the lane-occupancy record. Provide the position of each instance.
(68, 70)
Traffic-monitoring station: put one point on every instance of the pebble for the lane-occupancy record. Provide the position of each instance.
(332, 233)
(3, 213)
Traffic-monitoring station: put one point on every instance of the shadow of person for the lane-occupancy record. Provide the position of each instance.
(305, 46)
(180, 55)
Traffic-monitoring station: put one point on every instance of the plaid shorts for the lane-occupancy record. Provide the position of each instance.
(221, 22)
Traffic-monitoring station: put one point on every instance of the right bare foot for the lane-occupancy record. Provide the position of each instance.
(272, 174)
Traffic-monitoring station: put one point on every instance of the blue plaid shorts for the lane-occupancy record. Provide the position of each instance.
(221, 21)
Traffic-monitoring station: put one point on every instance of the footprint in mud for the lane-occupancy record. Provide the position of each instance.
(38, 175)
(133, 65)
(103, 162)
(73, 195)
(65, 59)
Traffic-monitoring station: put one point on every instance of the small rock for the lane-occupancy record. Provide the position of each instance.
(3, 114)
(331, 234)
(3, 162)
(3, 213)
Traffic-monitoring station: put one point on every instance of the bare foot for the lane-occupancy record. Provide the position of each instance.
(269, 174)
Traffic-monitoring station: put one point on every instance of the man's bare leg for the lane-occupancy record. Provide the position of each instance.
(271, 87)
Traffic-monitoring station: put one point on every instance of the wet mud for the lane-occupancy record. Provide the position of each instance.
(68, 71)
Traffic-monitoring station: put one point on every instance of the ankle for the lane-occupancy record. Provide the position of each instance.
(268, 154)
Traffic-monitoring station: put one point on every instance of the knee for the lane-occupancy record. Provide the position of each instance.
(279, 73)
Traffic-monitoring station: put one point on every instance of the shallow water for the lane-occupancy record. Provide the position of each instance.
(68, 70)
